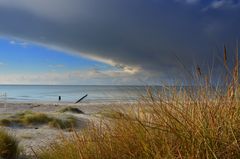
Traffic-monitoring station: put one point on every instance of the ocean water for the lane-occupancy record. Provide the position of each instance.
(70, 94)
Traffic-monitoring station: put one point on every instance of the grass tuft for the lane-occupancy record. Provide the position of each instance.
(5, 122)
(68, 123)
(29, 118)
(8, 146)
(71, 110)
(32, 118)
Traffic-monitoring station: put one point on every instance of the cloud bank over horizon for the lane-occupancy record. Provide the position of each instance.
(138, 36)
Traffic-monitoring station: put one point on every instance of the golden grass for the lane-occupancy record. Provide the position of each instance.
(199, 122)
(160, 127)
(8, 146)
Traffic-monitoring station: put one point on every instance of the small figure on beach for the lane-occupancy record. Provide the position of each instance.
(59, 98)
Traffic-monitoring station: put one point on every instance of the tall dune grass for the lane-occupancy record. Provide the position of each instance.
(9, 148)
(185, 123)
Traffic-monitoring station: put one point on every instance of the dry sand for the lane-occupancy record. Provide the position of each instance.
(35, 136)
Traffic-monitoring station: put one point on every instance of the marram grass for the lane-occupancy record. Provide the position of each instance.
(200, 123)
(8, 146)
(29, 118)
(176, 126)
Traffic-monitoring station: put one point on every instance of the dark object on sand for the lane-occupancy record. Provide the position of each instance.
(59, 98)
(81, 99)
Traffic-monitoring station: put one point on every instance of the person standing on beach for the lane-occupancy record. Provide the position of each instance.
(59, 98)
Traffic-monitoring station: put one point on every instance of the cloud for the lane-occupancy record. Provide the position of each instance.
(53, 9)
(19, 43)
(189, 1)
(219, 4)
(89, 77)
(223, 4)
(138, 36)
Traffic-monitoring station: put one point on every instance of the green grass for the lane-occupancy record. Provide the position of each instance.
(29, 118)
(33, 118)
(71, 110)
(5, 122)
(8, 146)
(70, 122)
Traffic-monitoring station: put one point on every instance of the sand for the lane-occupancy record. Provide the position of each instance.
(33, 137)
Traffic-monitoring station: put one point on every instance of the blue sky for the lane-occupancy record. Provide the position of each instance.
(23, 59)
(113, 41)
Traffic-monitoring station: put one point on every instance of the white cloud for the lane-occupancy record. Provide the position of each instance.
(222, 4)
(92, 76)
(218, 4)
(23, 44)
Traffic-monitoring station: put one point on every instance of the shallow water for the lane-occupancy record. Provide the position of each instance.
(70, 94)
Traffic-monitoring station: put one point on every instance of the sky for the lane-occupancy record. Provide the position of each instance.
(115, 42)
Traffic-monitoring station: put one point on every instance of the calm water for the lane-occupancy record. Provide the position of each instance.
(70, 94)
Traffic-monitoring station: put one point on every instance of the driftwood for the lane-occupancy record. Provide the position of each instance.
(81, 99)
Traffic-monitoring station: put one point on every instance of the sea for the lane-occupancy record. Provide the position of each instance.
(71, 93)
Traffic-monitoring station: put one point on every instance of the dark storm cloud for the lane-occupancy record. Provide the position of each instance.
(146, 34)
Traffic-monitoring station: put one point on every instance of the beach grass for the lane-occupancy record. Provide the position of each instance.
(9, 148)
(159, 128)
(71, 110)
(29, 118)
(188, 122)
(198, 122)
(68, 123)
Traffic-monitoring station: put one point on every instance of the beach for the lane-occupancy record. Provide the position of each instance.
(35, 136)
(48, 100)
